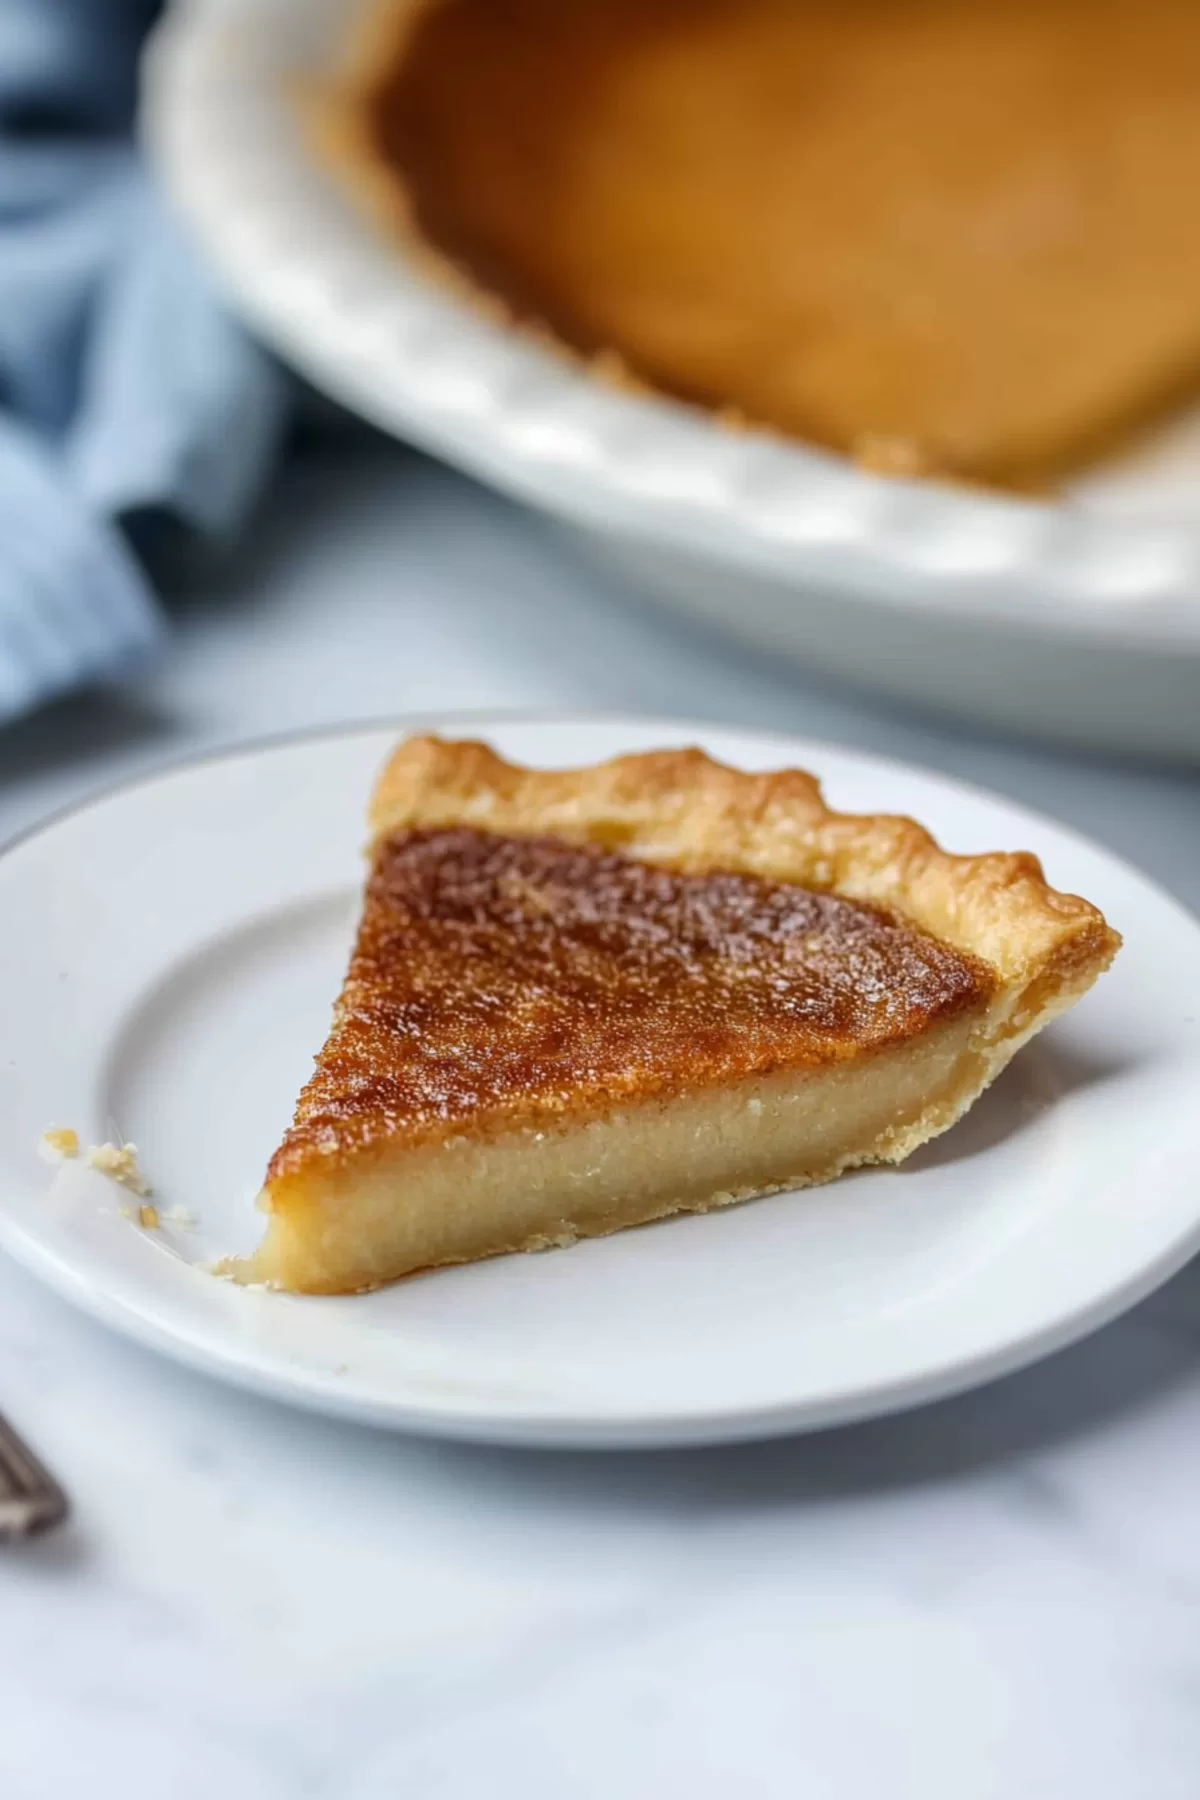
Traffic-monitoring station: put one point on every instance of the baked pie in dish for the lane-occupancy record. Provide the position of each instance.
(935, 235)
(585, 999)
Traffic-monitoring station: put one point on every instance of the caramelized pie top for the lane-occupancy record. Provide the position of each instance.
(518, 976)
(945, 233)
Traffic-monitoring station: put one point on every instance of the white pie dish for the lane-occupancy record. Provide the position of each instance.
(1078, 619)
(169, 954)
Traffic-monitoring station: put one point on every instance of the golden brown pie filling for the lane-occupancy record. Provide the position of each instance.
(500, 975)
(955, 234)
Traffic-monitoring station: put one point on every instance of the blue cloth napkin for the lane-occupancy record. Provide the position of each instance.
(126, 392)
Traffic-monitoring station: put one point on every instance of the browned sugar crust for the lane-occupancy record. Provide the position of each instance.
(504, 979)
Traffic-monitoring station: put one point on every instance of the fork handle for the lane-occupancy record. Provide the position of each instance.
(31, 1501)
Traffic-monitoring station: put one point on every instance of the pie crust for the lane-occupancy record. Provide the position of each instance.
(583, 999)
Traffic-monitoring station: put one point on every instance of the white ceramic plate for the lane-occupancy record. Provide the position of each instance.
(168, 957)
(1079, 620)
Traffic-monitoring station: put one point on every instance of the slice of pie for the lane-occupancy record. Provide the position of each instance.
(584, 999)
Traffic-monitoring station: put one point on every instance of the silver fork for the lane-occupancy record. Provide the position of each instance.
(31, 1501)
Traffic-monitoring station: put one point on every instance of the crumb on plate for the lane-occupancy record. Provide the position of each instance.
(119, 1162)
(61, 1141)
(179, 1217)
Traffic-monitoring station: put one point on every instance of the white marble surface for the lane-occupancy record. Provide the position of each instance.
(993, 1598)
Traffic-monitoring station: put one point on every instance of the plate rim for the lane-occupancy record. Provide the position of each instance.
(565, 1431)
(542, 1428)
(421, 363)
